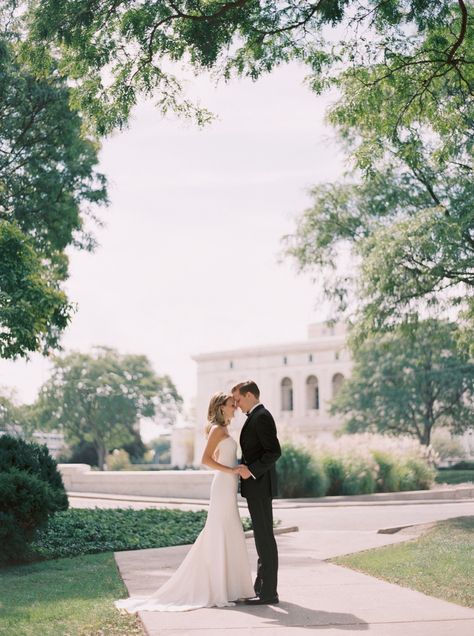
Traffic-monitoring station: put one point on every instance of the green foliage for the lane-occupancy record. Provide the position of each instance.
(80, 453)
(335, 472)
(299, 474)
(47, 173)
(415, 48)
(388, 478)
(88, 531)
(118, 460)
(24, 500)
(13, 416)
(404, 215)
(349, 474)
(409, 381)
(99, 397)
(463, 465)
(31, 490)
(83, 531)
(416, 475)
(34, 459)
(136, 449)
(405, 77)
(366, 463)
(451, 476)
(33, 310)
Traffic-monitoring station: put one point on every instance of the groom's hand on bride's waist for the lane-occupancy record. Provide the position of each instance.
(243, 471)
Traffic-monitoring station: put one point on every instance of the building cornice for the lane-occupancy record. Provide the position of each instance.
(308, 346)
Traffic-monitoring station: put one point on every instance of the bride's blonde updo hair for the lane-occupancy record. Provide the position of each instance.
(215, 413)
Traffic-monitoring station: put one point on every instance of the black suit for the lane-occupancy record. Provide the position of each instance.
(260, 451)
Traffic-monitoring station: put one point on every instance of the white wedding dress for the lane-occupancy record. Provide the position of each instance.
(216, 569)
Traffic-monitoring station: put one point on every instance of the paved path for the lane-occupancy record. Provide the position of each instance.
(315, 595)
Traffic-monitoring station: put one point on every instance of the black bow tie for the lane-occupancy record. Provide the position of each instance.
(248, 413)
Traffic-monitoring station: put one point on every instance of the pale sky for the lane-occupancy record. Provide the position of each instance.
(188, 258)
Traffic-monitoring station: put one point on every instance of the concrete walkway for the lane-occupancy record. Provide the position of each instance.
(315, 595)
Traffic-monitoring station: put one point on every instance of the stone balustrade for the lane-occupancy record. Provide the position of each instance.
(183, 484)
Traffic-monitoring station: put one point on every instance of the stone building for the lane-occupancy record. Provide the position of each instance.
(297, 380)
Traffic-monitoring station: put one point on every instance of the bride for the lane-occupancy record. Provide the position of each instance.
(216, 570)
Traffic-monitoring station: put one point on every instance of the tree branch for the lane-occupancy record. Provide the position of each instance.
(462, 33)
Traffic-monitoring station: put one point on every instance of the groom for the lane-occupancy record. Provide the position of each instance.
(260, 451)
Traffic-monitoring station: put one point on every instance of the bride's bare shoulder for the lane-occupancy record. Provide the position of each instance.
(217, 432)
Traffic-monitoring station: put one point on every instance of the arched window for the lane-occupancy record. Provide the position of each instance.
(312, 393)
(337, 382)
(286, 394)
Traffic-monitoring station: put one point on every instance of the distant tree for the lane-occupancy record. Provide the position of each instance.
(100, 397)
(10, 417)
(408, 382)
(47, 180)
(15, 418)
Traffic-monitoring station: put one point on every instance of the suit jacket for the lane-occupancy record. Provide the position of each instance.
(260, 451)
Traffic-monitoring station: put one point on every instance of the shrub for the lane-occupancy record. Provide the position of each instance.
(334, 468)
(349, 474)
(299, 474)
(119, 459)
(416, 475)
(360, 474)
(31, 489)
(389, 474)
(34, 459)
(364, 463)
(24, 500)
(350, 467)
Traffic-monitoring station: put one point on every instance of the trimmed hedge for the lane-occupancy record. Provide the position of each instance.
(463, 465)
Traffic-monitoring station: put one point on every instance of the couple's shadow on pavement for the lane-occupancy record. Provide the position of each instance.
(291, 615)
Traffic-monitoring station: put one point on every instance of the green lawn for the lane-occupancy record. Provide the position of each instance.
(439, 563)
(454, 476)
(64, 597)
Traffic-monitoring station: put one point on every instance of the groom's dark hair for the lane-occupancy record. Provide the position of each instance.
(248, 386)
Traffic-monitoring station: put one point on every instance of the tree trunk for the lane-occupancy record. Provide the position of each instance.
(426, 435)
(100, 455)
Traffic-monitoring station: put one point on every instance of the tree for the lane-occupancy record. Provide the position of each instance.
(47, 176)
(15, 419)
(135, 41)
(408, 382)
(405, 75)
(99, 398)
(404, 212)
(407, 254)
(10, 418)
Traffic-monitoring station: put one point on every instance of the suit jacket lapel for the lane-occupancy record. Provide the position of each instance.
(257, 408)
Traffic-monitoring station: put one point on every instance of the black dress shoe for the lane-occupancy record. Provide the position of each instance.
(258, 600)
